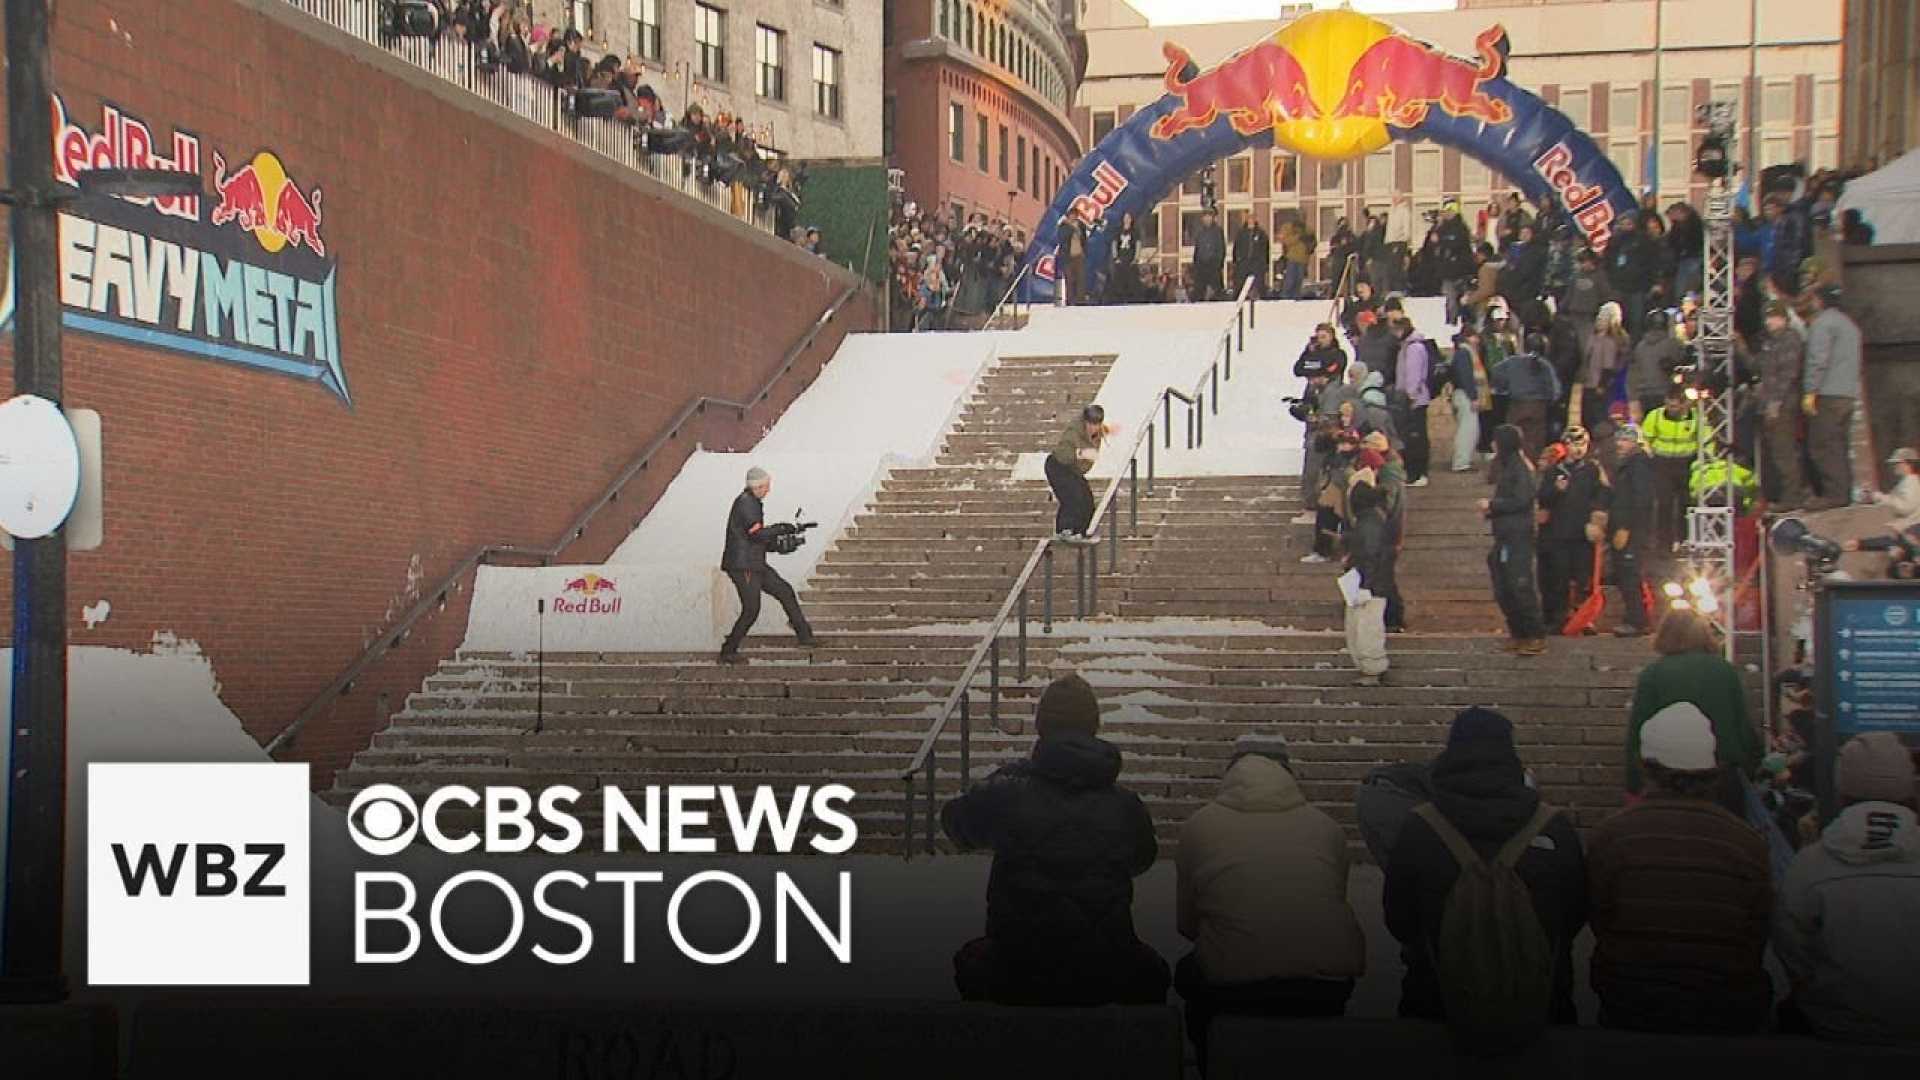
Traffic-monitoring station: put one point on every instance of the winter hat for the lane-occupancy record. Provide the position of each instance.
(756, 475)
(1370, 458)
(1271, 745)
(1628, 433)
(1876, 767)
(1476, 724)
(1377, 442)
(1679, 737)
(1577, 436)
(1067, 706)
(1357, 372)
(1506, 440)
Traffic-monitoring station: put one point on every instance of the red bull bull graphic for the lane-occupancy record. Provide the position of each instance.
(1329, 86)
(587, 595)
(242, 277)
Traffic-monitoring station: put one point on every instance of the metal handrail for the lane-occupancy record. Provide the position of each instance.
(1009, 295)
(1086, 571)
(436, 597)
(1340, 287)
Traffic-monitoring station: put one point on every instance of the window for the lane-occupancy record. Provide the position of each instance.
(769, 47)
(1473, 175)
(1826, 151)
(826, 81)
(1626, 158)
(1776, 104)
(643, 28)
(1020, 163)
(1239, 176)
(1776, 150)
(1149, 229)
(1286, 173)
(710, 42)
(1103, 122)
(1623, 116)
(1333, 177)
(1826, 101)
(982, 147)
(1426, 170)
(580, 15)
(957, 131)
(1676, 165)
(1577, 103)
(1003, 153)
(1676, 107)
(1036, 170)
(967, 19)
(886, 21)
(1189, 227)
(946, 19)
(1379, 172)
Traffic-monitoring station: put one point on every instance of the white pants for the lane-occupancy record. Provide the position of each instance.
(1367, 636)
(1466, 431)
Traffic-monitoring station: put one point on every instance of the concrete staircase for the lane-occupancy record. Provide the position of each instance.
(1220, 630)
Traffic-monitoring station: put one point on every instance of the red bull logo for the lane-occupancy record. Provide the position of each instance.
(1255, 89)
(1330, 83)
(1586, 202)
(262, 199)
(1108, 183)
(586, 595)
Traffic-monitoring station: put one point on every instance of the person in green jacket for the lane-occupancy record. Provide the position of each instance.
(1691, 669)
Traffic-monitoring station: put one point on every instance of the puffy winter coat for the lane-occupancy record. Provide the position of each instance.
(1680, 894)
(1655, 356)
(1847, 927)
(1569, 511)
(1481, 789)
(1067, 843)
(1262, 883)
(1511, 508)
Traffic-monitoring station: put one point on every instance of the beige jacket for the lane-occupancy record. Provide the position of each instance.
(1262, 888)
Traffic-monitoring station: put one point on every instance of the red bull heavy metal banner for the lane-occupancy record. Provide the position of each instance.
(1330, 86)
(244, 277)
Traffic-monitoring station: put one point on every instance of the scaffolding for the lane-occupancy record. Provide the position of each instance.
(1709, 547)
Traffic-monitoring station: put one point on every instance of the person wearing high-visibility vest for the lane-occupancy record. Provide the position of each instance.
(1672, 437)
(1709, 473)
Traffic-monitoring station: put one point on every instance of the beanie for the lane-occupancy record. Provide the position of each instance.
(1680, 737)
(1376, 440)
(1477, 723)
(1067, 706)
(1875, 767)
(1263, 744)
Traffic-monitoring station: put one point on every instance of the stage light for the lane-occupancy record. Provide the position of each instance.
(1701, 588)
(1674, 591)
(1710, 159)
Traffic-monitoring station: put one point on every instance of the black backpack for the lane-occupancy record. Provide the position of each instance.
(1439, 371)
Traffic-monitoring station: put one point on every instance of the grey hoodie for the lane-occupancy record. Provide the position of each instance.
(1262, 883)
(1847, 927)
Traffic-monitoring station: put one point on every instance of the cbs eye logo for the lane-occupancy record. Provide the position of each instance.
(383, 820)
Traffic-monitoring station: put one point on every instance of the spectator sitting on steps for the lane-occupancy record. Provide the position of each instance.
(1262, 894)
(1681, 893)
(1067, 843)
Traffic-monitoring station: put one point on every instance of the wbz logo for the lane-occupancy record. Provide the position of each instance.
(197, 875)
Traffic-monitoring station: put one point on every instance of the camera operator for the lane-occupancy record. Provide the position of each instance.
(745, 562)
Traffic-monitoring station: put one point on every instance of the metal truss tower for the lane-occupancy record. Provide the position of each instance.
(1710, 520)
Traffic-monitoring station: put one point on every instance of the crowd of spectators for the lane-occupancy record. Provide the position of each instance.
(945, 270)
(720, 151)
(1686, 889)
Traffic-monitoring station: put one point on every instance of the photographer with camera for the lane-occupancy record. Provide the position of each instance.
(749, 539)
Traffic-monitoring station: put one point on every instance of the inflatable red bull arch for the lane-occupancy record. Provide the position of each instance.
(1330, 86)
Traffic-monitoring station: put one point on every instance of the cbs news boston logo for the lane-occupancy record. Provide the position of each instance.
(197, 875)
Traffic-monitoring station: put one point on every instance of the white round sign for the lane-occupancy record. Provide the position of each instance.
(39, 467)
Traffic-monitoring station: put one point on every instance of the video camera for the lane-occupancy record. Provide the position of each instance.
(1791, 536)
(1299, 408)
(786, 537)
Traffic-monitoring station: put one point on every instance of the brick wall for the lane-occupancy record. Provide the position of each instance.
(518, 318)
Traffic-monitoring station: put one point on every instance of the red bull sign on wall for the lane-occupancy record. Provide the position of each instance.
(244, 276)
(1329, 86)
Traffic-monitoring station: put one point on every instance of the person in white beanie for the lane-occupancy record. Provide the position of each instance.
(1680, 893)
(1848, 925)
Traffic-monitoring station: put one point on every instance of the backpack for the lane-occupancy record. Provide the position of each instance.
(1493, 958)
(1439, 372)
(1400, 408)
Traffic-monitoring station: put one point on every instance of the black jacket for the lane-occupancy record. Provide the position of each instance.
(1586, 293)
(1510, 510)
(1209, 245)
(1632, 497)
(1525, 276)
(1380, 351)
(1330, 362)
(1629, 267)
(1569, 511)
(1370, 551)
(1481, 788)
(1067, 843)
(746, 535)
(1252, 253)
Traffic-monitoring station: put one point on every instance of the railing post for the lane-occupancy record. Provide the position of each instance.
(1200, 422)
(1149, 464)
(1240, 332)
(1046, 595)
(966, 723)
(1230, 360)
(1023, 634)
(993, 696)
(1113, 537)
(1190, 409)
(1133, 490)
(1080, 583)
(1093, 583)
(1253, 305)
(1167, 399)
(1214, 374)
(906, 835)
(932, 771)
